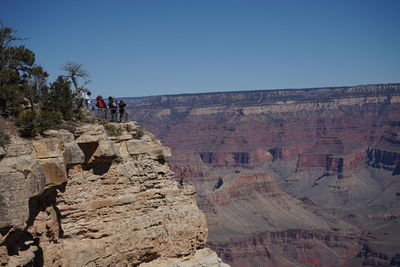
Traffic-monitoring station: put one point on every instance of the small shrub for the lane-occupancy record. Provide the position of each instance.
(49, 120)
(61, 99)
(27, 121)
(140, 132)
(69, 125)
(112, 130)
(32, 123)
(4, 138)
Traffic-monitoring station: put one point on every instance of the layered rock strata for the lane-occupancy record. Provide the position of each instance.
(321, 161)
(90, 199)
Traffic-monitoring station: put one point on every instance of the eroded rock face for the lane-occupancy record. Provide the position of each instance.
(312, 247)
(90, 199)
(21, 178)
(321, 161)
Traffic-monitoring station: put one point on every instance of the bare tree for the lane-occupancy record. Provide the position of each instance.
(75, 72)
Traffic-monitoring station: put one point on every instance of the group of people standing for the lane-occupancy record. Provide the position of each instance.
(113, 106)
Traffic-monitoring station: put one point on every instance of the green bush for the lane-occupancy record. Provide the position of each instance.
(69, 125)
(49, 120)
(28, 98)
(140, 132)
(4, 138)
(27, 121)
(32, 123)
(112, 130)
(61, 99)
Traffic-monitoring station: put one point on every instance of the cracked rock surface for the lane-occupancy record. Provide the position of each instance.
(90, 199)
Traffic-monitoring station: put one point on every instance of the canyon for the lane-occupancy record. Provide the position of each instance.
(297, 177)
(96, 195)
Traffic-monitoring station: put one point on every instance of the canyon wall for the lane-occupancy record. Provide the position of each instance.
(100, 196)
(289, 177)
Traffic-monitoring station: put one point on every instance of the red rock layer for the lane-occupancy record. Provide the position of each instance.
(286, 135)
(243, 187)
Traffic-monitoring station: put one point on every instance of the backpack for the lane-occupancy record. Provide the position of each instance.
(99, 102)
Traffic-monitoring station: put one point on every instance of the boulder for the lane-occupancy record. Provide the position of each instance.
(122, 137)
(152, 148)
(90, 133)
(202, 257)
(14, 199)
(48, 147)
(64, 135)
(130, 128)
(17, 148)
(73, 154)
(2, 152)
(146, 137)
(106, 151)
(20, 178)
(54, 171)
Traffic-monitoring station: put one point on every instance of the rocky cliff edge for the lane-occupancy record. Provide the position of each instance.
(97, 198)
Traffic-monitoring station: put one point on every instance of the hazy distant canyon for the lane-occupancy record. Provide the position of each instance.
(289, 177)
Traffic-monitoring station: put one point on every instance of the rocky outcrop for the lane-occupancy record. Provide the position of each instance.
(202, 257)
(340, 164)
(243, 187)
(309, 248)
(21, 178)
(386, 153)
(367, 256)
(91, 199)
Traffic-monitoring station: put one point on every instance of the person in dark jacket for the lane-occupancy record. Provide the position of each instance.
(112, 105)
(122, 106)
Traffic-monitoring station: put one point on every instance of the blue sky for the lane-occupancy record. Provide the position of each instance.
(140, 48)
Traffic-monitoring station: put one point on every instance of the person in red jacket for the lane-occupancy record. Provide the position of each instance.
(101, 107)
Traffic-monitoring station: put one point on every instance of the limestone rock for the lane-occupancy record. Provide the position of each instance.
(73, 154)
(130, 128)
(152, 148)
(106, 151)
(18, 147)
(49, 151)
(108, 201)
(126, 131)
(21, 178)
(23, 258)
(62, 135)
(202, 257)
(48, 147)
(122, 137)
(90, 134)
(14, 208)
(2, 152)
(54, 171)
(147, 136)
